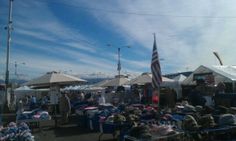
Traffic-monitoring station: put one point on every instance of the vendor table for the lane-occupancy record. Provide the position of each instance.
(174, 137)
(213, 133)
(34, 123)
(113, 128)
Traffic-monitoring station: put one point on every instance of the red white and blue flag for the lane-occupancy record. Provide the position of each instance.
(156, 69)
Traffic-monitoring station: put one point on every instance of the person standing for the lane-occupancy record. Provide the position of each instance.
(20, 108)
(33, 103)
(101, 99)
(64, 107)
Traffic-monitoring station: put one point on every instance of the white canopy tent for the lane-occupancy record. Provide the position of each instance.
(179, 79)
(147, 78)
(115, 82)
(220, 73)
(22, 91)
(84, 88)
(54, 80)
(141, 79)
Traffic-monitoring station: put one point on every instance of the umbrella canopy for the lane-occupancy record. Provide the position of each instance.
(117, 81)
(54, 78)
(147, 78)
(141, 79)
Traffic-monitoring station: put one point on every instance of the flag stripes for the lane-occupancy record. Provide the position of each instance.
(155, 68)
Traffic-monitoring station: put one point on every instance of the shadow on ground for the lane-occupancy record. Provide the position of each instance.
(70, 133)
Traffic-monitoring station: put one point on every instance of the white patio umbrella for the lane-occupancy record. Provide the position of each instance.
(117, 81)
(147, 78)
(141, 79)
(54, 78)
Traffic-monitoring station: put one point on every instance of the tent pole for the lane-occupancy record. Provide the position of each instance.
(233, 87)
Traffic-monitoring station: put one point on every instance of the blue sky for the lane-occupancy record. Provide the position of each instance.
(72, 35)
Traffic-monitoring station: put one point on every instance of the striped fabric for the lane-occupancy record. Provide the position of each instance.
(155, 67)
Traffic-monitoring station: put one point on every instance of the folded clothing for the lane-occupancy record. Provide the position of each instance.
(42, 115)
(140, 132)
(190, 123)
(207, 121)
(35, 114)
(20, 132)
(227, 120)
(162, 130)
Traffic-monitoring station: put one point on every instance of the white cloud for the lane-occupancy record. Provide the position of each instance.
(45, 63)
(200, 27)
(187, 34)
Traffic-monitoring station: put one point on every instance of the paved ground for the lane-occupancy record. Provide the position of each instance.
(69, 133)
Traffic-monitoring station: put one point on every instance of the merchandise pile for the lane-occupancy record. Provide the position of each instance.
(16, 132)
(150, 123)
(36, 114)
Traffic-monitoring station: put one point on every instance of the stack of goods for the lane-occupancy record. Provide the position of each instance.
(152, 132)
(116, 119)
(36, 114)
(15, 132)
(162, 130)
(207, 121)
(141, 132)
(227, 120)
(91, 116)
(204, 127)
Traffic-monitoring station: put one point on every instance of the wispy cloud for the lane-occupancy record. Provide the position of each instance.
(49, 34)
(186, 34)
(197, 32)
(76, 57)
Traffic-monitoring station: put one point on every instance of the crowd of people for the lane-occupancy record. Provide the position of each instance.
(67, 100)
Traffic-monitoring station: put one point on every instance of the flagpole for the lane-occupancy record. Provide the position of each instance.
(158, 91)
(156, 73)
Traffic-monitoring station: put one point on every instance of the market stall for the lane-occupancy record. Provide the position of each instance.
(54, 81)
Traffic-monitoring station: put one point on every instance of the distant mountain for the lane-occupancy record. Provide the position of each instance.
(172, 75)
(20, 81)
(94, 80)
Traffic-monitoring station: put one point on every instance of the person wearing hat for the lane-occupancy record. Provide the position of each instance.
(65, 107)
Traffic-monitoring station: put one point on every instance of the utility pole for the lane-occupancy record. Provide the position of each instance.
(119, 64)
(9, 29)
(15, 68)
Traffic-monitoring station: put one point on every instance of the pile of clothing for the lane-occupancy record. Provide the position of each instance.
(162, 130)
(145, 131)
(116, 118)
(37, 114)
(141, 132)
(14, 132)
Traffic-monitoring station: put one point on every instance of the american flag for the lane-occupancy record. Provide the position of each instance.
(155, 67)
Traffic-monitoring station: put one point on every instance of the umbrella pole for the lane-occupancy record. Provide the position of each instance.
(55, 115)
